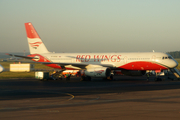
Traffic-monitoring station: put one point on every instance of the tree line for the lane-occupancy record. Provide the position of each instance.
(175, 54)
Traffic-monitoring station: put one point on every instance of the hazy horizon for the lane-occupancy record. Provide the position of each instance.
(92, 26)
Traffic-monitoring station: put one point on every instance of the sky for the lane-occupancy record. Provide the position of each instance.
(92, 25)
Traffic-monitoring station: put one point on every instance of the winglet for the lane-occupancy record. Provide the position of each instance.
(26, 57)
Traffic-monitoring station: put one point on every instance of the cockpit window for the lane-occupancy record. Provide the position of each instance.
(169, 57)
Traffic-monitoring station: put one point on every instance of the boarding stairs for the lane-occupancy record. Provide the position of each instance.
(175, 72)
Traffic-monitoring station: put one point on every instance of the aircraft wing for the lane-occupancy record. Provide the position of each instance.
(80, 65)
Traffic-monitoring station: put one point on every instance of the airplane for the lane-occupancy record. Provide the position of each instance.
(1, 69)
(97, 64)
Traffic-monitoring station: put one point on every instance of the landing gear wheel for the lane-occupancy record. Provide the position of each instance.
(82, 78)
(158, 79)
(111, 77)
(85, 78)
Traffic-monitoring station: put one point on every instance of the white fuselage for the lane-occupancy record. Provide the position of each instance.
(128, 61)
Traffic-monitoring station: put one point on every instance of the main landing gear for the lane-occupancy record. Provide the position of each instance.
(88, 78)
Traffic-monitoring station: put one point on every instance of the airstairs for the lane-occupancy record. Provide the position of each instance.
(175, 72)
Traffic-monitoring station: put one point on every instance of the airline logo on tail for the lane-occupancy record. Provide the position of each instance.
(35, 44)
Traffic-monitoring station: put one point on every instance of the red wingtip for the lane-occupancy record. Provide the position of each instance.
(31, 32)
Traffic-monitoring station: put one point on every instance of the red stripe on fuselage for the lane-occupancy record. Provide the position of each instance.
(141, 65)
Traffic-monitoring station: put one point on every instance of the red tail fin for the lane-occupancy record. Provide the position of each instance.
(30, 31)
(36, 46)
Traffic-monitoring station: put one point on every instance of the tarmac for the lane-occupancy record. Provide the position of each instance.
(122, 98)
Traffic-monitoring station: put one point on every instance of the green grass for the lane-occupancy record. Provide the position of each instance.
(17, 75)
(178, 60)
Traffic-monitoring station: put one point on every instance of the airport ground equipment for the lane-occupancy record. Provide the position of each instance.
(175, 72)
(21, 67)
(42, 75)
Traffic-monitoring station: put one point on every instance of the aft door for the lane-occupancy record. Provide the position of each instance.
(125, 60)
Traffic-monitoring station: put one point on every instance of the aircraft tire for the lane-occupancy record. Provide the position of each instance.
(111, 77)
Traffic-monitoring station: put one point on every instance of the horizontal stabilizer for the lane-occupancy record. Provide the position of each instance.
(20, 56)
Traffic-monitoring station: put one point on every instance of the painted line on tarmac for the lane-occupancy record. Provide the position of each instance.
(36, 107)
(72, 96)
